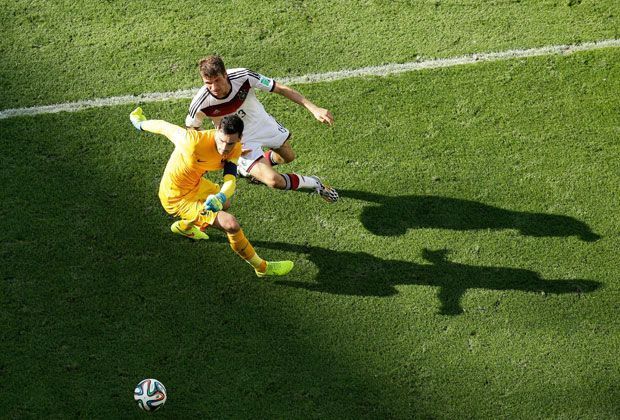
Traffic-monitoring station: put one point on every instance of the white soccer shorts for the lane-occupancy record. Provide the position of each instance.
(270, 134)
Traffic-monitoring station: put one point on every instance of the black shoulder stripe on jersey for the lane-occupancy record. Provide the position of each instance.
(245, 75)
(242, 73)
(241, 77)
(195, 101)
(234, 73)
(195, 105)
(253, 73)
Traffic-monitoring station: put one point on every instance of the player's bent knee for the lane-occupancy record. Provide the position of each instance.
(227, 222)
(289, 157)
(231, 224)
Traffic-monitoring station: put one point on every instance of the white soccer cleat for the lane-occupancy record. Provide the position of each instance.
(326, 192)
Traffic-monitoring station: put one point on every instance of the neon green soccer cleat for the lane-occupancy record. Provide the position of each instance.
(136, 117)
(276, 268)
(193, 233)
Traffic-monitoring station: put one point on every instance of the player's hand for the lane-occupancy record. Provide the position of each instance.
(244, 152)
(323, 115)
(215, 202)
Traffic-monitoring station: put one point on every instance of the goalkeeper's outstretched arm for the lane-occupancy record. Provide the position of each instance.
(174, 133)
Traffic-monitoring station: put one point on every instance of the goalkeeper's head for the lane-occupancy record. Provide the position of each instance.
(228, 133)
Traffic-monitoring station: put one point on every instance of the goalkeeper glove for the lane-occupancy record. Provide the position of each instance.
(137, 117)
(215, 202)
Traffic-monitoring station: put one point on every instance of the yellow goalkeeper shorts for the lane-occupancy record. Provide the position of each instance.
(190, 207)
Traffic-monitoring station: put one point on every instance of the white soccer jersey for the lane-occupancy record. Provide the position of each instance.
(260, 129)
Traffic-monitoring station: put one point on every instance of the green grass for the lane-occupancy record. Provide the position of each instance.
(62, 50)
(468, 271)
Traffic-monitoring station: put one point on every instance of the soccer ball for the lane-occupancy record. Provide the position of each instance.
(150, 394)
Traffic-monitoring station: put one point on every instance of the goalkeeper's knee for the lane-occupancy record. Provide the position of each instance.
(228, 223)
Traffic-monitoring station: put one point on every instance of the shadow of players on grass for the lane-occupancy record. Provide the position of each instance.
(362, 274)
(426, 211)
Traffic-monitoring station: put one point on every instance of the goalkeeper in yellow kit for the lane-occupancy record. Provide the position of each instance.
(199, 202)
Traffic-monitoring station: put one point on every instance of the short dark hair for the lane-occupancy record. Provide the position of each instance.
(212, 66)
(232, 124)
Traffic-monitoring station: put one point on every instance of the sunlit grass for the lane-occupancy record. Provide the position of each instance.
(468, 270)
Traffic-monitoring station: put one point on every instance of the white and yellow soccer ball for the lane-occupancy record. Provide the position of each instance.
(150, 394)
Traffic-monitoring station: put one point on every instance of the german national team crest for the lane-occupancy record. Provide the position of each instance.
(242, 94)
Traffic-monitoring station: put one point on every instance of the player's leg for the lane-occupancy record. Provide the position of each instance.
(194, 219)
(272, 135)
(259, 166)
(242, 247)
(188, 229)
(264, 172)
(280, 155)
(173, 132)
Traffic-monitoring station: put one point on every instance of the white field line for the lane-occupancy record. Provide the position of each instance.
(384, 70)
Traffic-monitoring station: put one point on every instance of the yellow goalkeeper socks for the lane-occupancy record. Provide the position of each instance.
(240, 244)
(258, 263)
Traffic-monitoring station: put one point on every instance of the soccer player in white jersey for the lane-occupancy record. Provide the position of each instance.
(227, 92)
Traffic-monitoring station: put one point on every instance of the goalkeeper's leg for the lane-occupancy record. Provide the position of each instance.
(240, 244)
(188, 229)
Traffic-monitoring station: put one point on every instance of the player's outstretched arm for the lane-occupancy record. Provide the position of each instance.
(321, 114)
(174, 133)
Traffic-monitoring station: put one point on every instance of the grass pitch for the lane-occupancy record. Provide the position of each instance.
(470, 269)
(65, 51)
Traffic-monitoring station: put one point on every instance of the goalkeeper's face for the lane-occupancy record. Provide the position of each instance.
(225, 142)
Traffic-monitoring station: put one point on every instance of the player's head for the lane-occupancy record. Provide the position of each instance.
(212, 66)
(228, 133)
(213, 74)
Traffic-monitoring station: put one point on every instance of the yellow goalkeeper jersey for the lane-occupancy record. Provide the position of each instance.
(191, 158)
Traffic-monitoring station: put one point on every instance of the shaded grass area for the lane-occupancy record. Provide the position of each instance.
(61, 51)
(469, 267)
